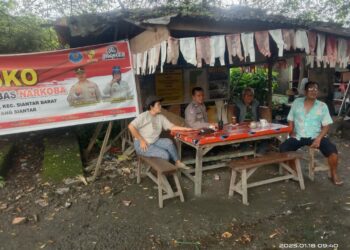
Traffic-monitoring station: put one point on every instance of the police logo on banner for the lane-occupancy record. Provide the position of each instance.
(75, 56)
(112, 53)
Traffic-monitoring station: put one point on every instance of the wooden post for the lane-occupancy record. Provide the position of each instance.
(104, 144)
(244, 187)
(92, 141)
(198, 172)
(269, 83)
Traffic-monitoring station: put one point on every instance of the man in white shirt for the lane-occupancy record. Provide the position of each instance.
(146, 129)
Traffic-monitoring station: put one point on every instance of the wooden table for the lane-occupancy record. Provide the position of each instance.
(229, 135)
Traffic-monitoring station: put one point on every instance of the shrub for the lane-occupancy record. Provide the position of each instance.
(257, 80)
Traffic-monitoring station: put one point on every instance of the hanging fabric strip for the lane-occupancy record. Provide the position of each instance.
(151, 55)
(312, 42)
(312, 38)
(155, 58)
(163, 55)
(144, 63)
(188, 49)
(288, 39)
(203, 50)
(321, 42)
(134, 63)
(277, 37)
(331, 50)
(262, 41)
(310, 60)
(234, 48)
(217, 49)
(248, 46)
(342, 53)
(301, 41)
(139, 58)
(173, 50)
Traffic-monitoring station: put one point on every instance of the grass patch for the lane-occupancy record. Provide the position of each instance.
(61, 157)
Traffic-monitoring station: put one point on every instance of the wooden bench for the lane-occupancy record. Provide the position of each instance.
(246, 167)
(162, 169)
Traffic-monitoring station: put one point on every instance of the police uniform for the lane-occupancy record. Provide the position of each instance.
(196, 116)
(117, 90)
(89, 93)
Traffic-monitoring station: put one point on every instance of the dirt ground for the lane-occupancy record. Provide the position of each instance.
(99, 215)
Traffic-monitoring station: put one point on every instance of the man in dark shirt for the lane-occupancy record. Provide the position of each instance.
(247, 107)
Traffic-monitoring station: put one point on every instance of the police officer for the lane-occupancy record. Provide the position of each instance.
(84, 91)
(195, 113)
(117, 88)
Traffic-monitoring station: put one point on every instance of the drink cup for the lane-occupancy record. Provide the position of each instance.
(253, 125)
(263, 123)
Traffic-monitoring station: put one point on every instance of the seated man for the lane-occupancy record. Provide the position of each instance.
(247, 107)
(247, 110)
(146, 129)
(195, 113)
(310, 121)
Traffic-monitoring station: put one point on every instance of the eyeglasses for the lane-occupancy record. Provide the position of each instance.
(312, 89)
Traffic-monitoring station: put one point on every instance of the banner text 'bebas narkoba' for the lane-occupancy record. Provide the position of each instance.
(68, 87)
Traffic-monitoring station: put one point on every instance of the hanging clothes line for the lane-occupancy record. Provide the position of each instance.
(319, 48)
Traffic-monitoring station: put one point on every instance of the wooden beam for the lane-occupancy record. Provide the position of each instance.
(222, 27)
(148, 39)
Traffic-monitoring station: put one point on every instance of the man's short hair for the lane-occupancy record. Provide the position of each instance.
(197, 89)
(149, 106)
(246, 90)
(307, 85)
(152, 100)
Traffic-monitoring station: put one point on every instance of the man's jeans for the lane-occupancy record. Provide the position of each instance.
(162, 148)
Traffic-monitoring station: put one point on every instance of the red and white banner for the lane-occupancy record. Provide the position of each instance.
(66, 87)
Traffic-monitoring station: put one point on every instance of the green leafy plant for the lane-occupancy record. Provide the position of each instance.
(257, 80)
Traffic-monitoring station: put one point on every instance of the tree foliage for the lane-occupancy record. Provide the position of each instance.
(258, 80)
(337, 11)
(313, 10)
(51, 9)
(24, 33)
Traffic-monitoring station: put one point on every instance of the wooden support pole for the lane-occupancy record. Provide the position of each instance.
(269, 84)
(198, 173)
(92, 141)
(104, 144)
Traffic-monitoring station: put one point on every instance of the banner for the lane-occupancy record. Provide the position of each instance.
(67, 87)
